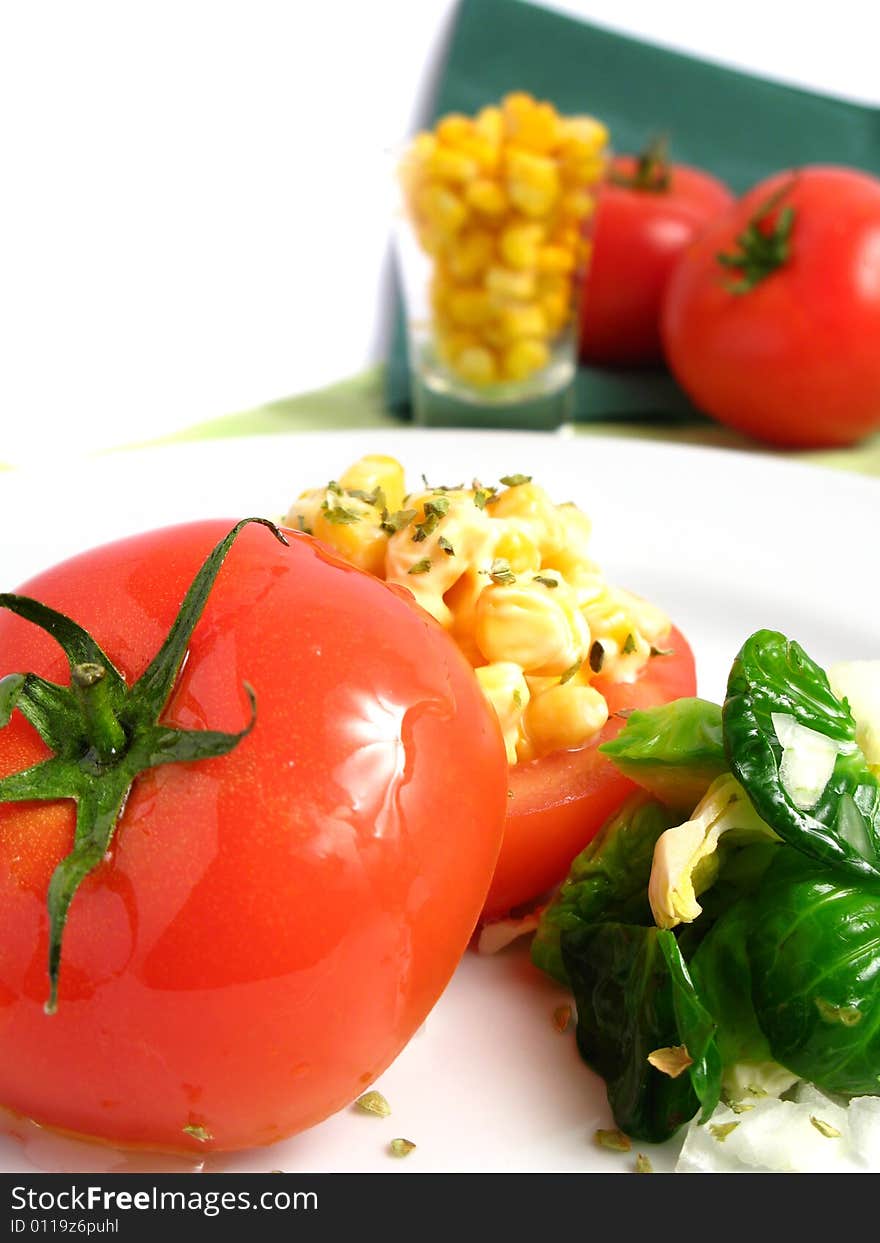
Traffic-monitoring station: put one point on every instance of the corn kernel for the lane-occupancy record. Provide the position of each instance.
(542, 631)
(471, 253)
(532, 181)
(507, 284)
(528, 320)
(441, 208)
(578, 205)
(505, 687)
(375, 470)
(451, 344)
(469, 307)
(555, 259)
(519, 243)
(518, 549)
(445, 164)
(476, 364)
(490, 125)
(523, 358)
(556, 308)
(564, 716)
(583, 136)
(530, 124)
(462, 135)
(486, 197)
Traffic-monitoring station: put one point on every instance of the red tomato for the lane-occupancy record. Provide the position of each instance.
(269, 927)
(560, 802)
(648, 212)
(786, 349)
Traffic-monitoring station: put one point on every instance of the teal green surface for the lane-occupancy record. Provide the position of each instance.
(736, 125)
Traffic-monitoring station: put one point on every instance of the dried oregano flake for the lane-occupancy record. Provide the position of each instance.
(401, 1147)
(597, 657)
(643, 1165)
(672, 1061)
(562, 1018)
(615, 1140)
(201, 1133)
(500, 572)
(721, 1130)
(570, 672)
(825, 1128)
(373, 1102)
(514, 481)
(420, 567)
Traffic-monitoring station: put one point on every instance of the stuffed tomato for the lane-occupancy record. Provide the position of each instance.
(559, 652)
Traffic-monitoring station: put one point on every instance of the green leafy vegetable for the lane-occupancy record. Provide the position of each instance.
(675, 750)
(772, 677)
(634, 995)
(814, 950)
(607, 880)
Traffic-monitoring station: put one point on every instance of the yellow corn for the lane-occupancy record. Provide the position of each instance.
(542, 630)
(509, 285)
(486, 197)
(523, 358)
(505, 687)
(375, 470)
(564, 716)
(532, 182)
(512, 581)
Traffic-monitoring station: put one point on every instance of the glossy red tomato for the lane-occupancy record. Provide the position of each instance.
(648, 212)
(781, 339)
(270, 927)
(560, 802)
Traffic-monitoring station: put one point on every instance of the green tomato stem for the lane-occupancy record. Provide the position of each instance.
(106, 735)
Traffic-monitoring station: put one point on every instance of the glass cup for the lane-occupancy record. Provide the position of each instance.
(493, 238)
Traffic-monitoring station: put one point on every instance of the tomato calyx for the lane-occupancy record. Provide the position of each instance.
(103, 734)
(652, 173)
(764, 244)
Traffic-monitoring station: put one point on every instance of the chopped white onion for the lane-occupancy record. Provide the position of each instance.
(808, 759)
(811, 1133)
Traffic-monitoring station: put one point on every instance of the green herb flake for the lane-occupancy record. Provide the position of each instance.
(420, 567)
(201, 1133)
(443, 542)
(597, 657)
(629, 645)
(500, 572)
(434, 510)
(303, 525)
(373, 1102)
(825, 1128)
(517, 697)
(392, 523)
(643, 1164)
(740, 1107)
(483, 496)
(615, 1140)
(570, 672)
(721, 1130)
(515, 481)
(662, 651)
(848, 1016)
(401, 1147)
(338, 514)
(546, 581)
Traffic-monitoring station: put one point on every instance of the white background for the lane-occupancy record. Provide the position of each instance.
(194, 205)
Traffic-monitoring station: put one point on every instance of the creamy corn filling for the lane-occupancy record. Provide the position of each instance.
(508, 573)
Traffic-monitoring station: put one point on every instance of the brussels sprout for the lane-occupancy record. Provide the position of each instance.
(815, 972)
(608, 880)
(773, 677)
(635, 998)
(675, 751)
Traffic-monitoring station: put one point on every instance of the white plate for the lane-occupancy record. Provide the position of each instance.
(725, 542)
